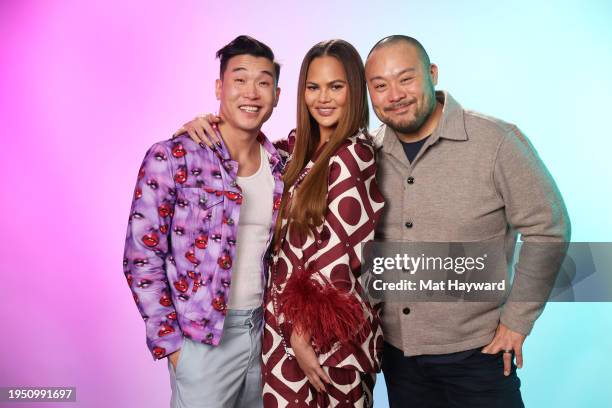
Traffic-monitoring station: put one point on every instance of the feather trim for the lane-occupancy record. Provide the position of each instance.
(329, 315)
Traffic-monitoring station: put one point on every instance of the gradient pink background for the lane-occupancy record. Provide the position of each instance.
(87, 86)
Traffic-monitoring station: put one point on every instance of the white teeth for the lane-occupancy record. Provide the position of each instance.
(325, 110)
(252, 109)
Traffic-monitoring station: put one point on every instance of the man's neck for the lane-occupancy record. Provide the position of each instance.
(241, 145)
(426, 129)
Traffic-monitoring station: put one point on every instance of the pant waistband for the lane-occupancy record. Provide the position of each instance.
(250, 317)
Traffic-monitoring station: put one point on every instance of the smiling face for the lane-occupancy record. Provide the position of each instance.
(326, 93)
(401, 87)
(247, 92)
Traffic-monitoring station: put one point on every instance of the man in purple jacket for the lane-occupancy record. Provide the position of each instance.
(200, 225)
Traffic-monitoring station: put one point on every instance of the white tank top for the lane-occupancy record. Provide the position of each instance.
(246, 291)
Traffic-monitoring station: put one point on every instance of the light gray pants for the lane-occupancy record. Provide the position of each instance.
(228, 375)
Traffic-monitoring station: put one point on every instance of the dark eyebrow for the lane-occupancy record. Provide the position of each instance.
(329, 83)
(268, 73)
(265, 71)
(402, 72)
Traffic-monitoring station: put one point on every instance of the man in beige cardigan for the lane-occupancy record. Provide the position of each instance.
(451, 175)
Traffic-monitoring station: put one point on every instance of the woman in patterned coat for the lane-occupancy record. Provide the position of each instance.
(322, 338)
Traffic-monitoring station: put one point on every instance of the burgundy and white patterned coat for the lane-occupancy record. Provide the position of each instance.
(315, 280)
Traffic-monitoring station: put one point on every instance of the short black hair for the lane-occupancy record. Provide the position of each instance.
(396, 38)
(245, 45)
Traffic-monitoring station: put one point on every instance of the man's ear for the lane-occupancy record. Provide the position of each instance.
(218, 87)
(433, 71)
(278, 92)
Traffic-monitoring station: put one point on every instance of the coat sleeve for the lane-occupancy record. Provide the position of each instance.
(284, 147)
(535, 209)
(146, 250)
(326, 297)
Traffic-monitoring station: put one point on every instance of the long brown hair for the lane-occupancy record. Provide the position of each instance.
(308, 207)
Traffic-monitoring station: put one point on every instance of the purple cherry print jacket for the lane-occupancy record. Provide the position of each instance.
(181, 240)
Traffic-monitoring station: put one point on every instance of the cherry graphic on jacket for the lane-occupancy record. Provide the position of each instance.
(181, 175)
(190, 255)
(159, 352)
(181, 285)
(178, 150)
(165, 330)
(218, 303)
(165, 300)
(151, 240)
(197, 282)
(164, 210)
(201, 241)
(225, 261)
(232, 195)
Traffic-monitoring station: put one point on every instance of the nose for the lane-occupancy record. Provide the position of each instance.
(251, 91)
(324, 95)
(396, 93)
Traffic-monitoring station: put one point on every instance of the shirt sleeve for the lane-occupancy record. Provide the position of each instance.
(534, 208)
(146, 250)
(326, 297)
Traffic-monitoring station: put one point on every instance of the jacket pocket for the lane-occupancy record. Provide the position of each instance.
(202, 211)
(196, 212)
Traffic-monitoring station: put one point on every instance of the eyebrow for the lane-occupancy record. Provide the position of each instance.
(329, 83)
(265, 71)
(403, 71)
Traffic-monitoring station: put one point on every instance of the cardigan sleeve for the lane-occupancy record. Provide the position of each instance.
(534, 207)
(325, 298)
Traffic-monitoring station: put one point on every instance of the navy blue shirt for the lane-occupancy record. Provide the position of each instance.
(413, 148)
